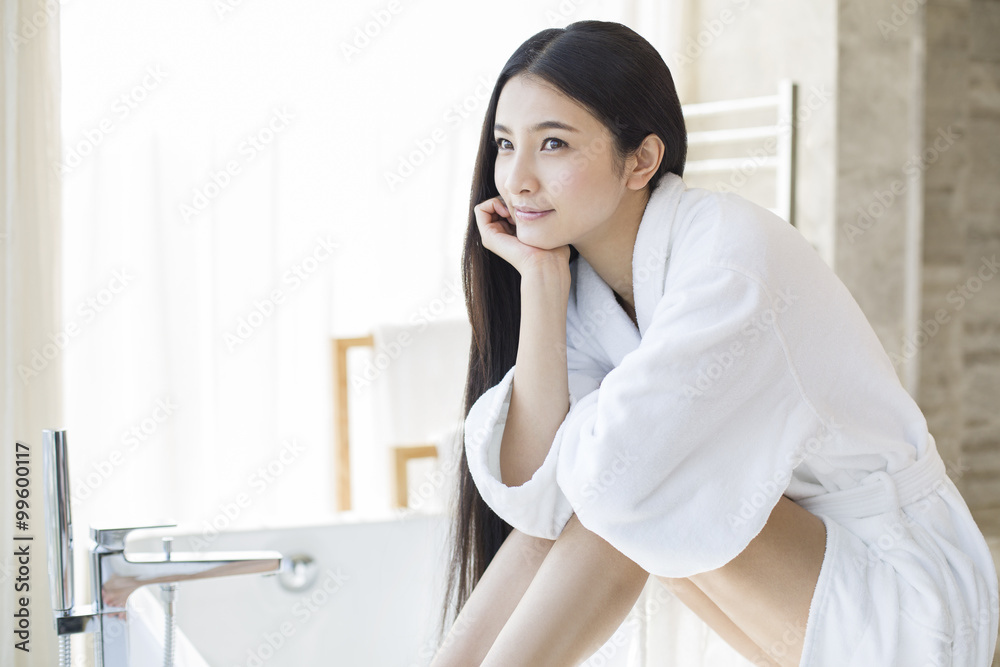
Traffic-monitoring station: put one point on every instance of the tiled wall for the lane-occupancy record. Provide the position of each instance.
(912, 138)
(960, 373)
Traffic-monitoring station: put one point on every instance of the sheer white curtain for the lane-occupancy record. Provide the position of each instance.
(29, 303)
(242, 182)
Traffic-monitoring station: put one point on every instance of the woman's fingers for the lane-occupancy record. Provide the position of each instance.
(499, 235)
(496, 231)
(501, 207)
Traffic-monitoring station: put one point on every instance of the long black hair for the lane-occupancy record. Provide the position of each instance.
(622, 80)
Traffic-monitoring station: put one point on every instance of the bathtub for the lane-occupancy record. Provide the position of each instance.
(376, 601)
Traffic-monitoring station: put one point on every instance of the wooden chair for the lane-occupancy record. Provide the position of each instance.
(400, 454)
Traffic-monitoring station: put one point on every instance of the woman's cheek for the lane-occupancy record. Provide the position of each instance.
(567, 179)
(580, 160)
(499, 178)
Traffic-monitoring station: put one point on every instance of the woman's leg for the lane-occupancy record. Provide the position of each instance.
(696, 600)
(768, 588)
(580, 595)
(585, 588)
(492, 600)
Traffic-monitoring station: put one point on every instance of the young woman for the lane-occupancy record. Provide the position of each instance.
(671, 382)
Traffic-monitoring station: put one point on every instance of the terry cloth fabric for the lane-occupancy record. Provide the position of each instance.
(752, 373)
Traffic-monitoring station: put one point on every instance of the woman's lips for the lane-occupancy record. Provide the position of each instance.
(531, 215)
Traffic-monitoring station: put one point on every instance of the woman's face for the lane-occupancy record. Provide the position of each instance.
(554, 158)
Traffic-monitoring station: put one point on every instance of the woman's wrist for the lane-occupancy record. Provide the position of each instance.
(549, 277)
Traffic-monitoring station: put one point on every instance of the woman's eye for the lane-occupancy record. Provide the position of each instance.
(547, 144)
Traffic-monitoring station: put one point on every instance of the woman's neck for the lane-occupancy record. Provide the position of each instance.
(610, 255)
(628, 308)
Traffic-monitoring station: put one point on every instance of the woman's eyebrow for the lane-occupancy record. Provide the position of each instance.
(544, 125)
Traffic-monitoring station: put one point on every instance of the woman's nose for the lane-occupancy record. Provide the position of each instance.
(521, 176)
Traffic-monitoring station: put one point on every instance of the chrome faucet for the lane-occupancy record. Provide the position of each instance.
(115, 574)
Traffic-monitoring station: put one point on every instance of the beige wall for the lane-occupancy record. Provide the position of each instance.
(900, 106)
(960, 365)
(737, 48)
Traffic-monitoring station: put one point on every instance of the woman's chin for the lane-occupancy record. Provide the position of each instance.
(541, 244)
(537, 241)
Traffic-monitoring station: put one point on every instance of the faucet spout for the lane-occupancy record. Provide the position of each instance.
(117, 574)
(122, 574)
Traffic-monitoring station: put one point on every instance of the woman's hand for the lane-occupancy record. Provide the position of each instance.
(499, 235)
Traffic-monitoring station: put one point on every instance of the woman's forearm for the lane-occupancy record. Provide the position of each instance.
(580, 595)
(494, 598)
(540, 393)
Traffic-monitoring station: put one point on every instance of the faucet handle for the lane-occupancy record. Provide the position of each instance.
(113, 539)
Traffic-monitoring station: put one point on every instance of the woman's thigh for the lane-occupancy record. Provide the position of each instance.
(695, 599)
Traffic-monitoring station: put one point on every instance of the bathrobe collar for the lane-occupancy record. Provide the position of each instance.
(649, 267)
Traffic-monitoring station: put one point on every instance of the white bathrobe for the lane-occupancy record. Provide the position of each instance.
(753, 373)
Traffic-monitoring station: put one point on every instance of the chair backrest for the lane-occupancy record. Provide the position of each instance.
(413, 379)
(747, 146)
(422, 378)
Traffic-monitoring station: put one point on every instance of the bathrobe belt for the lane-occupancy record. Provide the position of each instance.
(881, 492)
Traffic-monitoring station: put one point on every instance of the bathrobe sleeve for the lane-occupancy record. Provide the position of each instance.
(538, 507)
(681, 453)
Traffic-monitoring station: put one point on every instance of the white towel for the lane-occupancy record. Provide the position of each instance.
(421, 369)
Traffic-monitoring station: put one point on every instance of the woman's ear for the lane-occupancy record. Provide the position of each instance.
(644, 162)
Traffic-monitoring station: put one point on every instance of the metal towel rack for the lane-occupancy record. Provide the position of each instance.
(782, 134)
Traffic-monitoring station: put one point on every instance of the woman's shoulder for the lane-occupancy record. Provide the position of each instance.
(726, 229)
